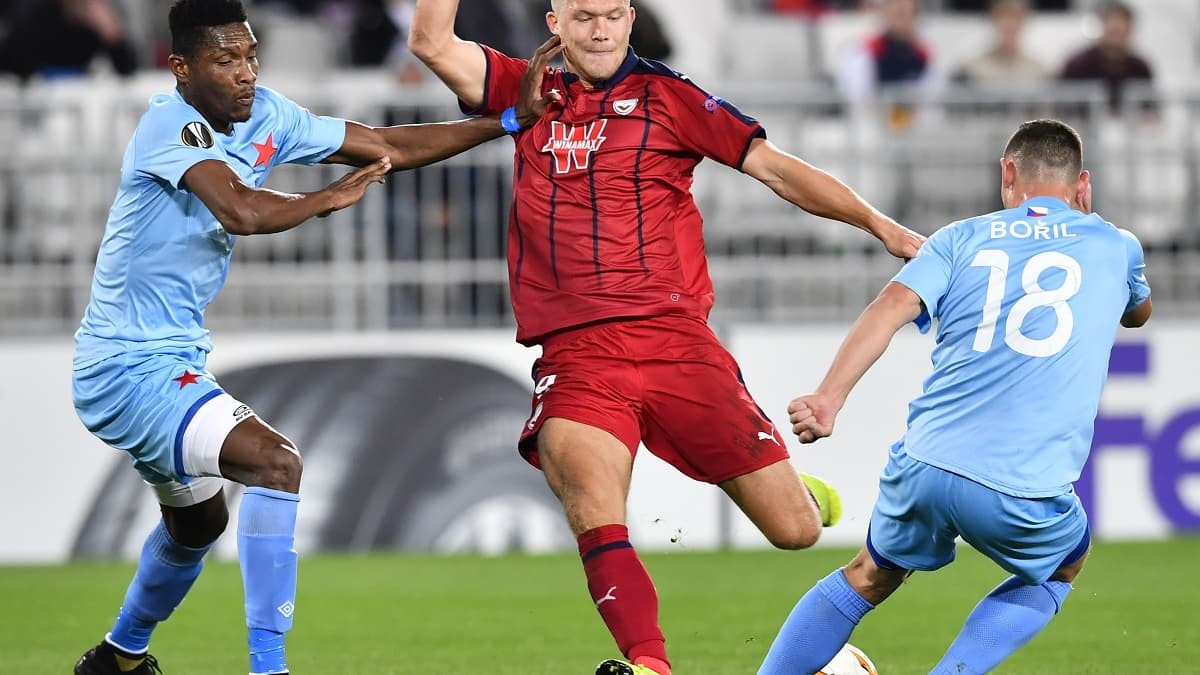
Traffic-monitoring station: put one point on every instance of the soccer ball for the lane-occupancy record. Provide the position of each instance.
(850, 661)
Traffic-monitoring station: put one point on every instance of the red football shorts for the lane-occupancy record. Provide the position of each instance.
(665, 381)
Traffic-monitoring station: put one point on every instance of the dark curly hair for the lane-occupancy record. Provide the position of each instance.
(191, 19)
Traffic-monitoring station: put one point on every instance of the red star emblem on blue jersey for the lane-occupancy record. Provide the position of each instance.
(265, 151)
(188, 377)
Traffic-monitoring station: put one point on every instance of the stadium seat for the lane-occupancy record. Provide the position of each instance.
(768, 49)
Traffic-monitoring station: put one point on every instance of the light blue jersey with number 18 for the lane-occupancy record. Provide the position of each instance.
(1028, 301)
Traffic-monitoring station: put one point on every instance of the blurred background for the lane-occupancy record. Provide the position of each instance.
(381, 339)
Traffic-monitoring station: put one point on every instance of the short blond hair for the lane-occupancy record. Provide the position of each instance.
(556, 6)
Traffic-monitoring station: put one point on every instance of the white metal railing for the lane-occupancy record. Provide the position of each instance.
(427, 249)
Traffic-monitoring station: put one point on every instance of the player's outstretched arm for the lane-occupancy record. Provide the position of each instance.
(458, 63)
(812, 416)
(413, 145)
(244, 210)
(823, 195)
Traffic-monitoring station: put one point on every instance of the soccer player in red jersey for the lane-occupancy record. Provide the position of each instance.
(608, 275)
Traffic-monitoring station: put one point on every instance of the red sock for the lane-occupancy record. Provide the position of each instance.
(623, 593)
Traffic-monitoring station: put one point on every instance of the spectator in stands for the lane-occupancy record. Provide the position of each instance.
(647, 37)
(303, 7)
(1111, 60)
(986, 5)
(56, 38)
(379, 35)
(809, 7)
(502, 24)
(895, 58)
(1004, 62)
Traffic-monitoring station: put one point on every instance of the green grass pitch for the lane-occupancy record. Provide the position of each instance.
(1133, 611)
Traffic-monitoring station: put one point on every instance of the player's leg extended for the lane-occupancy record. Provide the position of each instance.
(779, 503)
(589, 470)
(821, 623)
(700, 418)
(1036, 548)
(171, 560)
(269, 465)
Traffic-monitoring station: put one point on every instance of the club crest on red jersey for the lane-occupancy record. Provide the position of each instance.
(573, 145)
(625, 106)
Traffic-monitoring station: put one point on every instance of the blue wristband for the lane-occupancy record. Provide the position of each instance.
(508, 120)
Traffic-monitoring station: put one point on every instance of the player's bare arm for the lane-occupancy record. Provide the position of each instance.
(413, 145)
(1138, 316)
(245, 210)
(812, 416)
(457, 62)
(823, 195)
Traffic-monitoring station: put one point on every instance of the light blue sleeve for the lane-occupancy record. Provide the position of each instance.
(1139, 289)
(928, 274)
(171, 139)
(305, 138)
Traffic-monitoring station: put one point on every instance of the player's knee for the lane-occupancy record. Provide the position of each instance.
(199, 525)
(279, 465)
(793, 536)
(872, 582)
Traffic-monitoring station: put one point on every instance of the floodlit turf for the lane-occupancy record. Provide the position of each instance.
(1133, 611)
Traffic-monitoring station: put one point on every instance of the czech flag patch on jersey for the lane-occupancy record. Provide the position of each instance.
(1037, 212)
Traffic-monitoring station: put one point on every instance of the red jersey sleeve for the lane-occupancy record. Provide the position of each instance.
(501, 83)
(709, 125)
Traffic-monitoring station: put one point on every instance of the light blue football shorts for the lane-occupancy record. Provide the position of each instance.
(142, 404)
(922, 509)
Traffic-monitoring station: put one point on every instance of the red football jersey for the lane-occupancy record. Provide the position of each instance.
(603, 223)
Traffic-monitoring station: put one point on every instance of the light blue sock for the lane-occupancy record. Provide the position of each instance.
(266, 538)
(1001, 624)
(819, 625)
(165, 572)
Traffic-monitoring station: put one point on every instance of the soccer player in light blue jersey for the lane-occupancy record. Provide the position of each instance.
(1028, 300)
(191, 184)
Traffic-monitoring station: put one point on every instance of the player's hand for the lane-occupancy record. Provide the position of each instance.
(350, 188)
(812, 417)
(532, 104)
(902, 242)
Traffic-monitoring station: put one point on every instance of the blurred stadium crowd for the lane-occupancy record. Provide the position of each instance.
(60, 38)
(52, 39)
(909, 101)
